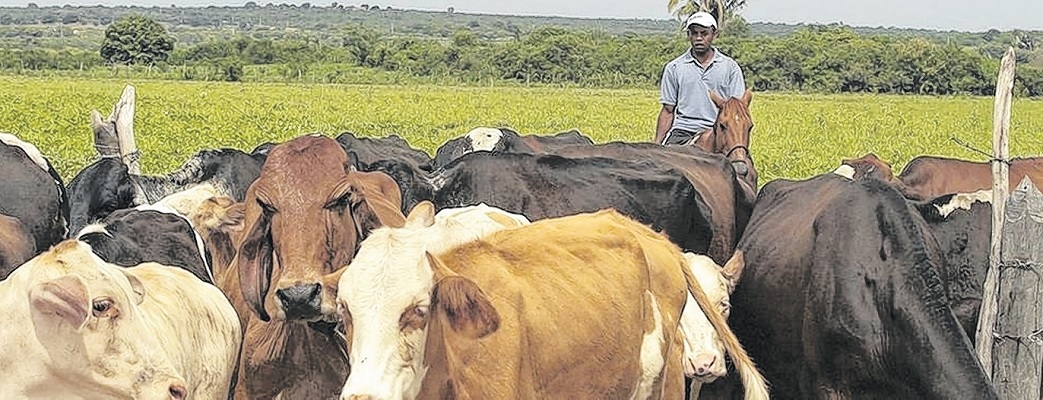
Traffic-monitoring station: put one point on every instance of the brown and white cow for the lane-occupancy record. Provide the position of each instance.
(584, 306)
(76, 327)
(304, 217)
(927, 177)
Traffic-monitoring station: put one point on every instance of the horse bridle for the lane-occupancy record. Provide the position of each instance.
(737, 147)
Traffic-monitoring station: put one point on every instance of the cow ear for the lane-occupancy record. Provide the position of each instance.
(254, 261)
(65, 297)
(716, 99)
(352, 165)
(732, 270)
(422, 215)
(462, 302)
(376, 201)
(137, 288)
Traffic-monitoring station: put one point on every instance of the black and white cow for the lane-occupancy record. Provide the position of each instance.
(149, 233)
(962, 225)
(106, 185)
(545, 186)
(504, 140)
(32, 192)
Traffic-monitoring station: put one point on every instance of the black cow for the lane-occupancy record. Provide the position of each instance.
(32, 192)
(728, 196)
(107, 185)
(503, 140)
(547, 186)
(962, 224)
(841, 298)
(147, 233)
(393, 147)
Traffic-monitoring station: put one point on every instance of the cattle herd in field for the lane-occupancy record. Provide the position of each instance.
(506, 266)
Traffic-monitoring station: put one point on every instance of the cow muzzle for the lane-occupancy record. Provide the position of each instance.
(302, 301)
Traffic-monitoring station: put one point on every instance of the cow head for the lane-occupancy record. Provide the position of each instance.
(868, 166)
(85, 313)
(304, 217)
(98, 190)
(704, 351)
(390, 291)
(219, 222)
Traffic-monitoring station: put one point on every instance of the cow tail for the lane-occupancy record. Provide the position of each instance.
(756, 387)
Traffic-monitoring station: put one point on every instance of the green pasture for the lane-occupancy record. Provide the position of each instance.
(796, 136)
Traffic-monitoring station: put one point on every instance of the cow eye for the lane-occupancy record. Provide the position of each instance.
(102, 308)
(338, 204)
(726, 308)
(267, 208)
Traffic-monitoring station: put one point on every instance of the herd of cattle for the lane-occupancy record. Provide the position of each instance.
(506, 266)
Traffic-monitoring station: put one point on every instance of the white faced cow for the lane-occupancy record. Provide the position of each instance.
(76, 327)
(385, 357)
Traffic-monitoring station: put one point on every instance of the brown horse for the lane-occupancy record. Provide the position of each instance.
(730, 135)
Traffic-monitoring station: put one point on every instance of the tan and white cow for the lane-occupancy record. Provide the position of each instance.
(380, 354)
(76, 327)
(585, 306)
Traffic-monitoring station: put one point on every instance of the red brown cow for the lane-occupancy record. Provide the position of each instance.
(304, 217)
(927, 177)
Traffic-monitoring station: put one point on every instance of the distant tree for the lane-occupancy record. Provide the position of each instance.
(32, 6)
(720, 9)
(450, 10)
(136, 39)
(250, 5)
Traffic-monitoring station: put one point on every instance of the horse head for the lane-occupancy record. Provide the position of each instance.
(730, 135)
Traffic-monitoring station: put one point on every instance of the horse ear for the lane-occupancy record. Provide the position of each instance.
(716, 99)
(747, 97)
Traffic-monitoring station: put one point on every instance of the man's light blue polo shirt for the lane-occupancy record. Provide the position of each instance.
(685, 86)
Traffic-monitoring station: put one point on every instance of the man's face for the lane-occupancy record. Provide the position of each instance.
(701, 37)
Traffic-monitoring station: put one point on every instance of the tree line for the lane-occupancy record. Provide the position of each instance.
(812, 59)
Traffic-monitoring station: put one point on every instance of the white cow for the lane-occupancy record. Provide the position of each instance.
(76, 327)
(703, 349)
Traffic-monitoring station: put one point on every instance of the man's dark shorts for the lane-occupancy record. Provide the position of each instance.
(680, 136)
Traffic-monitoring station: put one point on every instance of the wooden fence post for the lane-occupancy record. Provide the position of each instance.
(1000, 183)
(1018, 347)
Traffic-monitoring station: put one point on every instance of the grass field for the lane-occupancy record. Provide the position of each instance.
(796, 136)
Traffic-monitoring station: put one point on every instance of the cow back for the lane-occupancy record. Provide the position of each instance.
(548, 186)
(34, 195)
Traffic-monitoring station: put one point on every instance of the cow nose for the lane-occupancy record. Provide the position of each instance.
(300, 301)
(703, 364)
(178, 391)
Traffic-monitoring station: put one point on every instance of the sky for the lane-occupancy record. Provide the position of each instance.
(963, 15)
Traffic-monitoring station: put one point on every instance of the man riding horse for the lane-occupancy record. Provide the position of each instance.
(688, 111)
(705, 100)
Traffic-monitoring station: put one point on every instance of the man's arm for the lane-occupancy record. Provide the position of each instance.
(668, 98)
(666, 119)
(737, 85)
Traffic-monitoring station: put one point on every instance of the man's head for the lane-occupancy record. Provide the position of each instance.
(701, 28)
